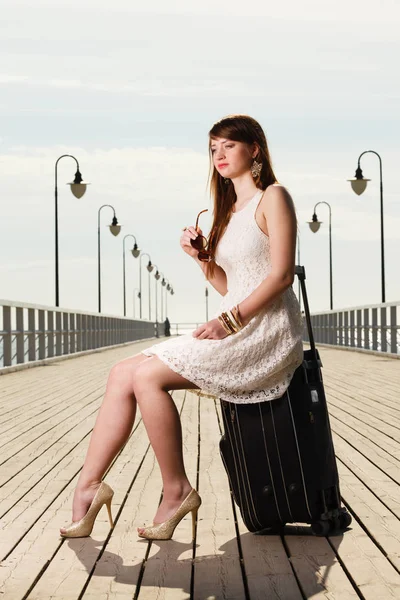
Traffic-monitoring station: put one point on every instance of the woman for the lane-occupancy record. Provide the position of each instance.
(247, 353)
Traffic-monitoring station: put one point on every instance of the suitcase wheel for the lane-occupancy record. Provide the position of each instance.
(321, 528)
(345, 520)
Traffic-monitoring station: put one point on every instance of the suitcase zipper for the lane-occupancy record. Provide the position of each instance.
(247, 474)
(298, 453)
(269, 464)
(280, 462)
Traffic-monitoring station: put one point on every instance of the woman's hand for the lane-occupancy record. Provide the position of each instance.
(190, 234)
(212, 330)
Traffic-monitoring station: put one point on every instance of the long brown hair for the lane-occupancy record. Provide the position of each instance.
(239, 128)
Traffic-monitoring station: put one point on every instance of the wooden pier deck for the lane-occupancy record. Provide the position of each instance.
(46, 416)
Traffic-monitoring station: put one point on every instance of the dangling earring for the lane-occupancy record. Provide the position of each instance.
(226, 181)
(256, 168)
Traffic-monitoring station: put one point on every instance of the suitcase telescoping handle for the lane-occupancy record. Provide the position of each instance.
(301, 274)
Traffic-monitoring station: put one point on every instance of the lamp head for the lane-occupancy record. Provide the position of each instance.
(157, 275)
(314, 224)
(78, 188)
(358, 183)
(114, 227)
(150, 267)
(135, 251)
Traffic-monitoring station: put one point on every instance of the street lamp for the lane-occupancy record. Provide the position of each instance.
(314, 226)
(163, 283)
(168, 289)
(157, 277)
(115, 229)
(135, 252)
(78, 188)
(206, 304)
(149, 268)
(358, 184)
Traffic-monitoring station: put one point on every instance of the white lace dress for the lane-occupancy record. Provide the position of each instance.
(257, 363)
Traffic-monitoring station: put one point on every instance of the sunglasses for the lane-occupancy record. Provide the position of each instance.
(200, 243)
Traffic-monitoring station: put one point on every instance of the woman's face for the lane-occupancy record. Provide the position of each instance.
(231, 158)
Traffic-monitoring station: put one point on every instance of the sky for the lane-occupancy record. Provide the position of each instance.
(131, 90)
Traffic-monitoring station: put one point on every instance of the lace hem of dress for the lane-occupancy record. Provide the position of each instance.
(221, 392)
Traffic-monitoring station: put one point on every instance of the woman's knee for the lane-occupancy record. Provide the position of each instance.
(142, 378)
(123, 371)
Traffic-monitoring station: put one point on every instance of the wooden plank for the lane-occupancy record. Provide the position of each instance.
(381, 524)
(217, 563)
(268, 570)
(379, 468)
(364, 417)
(371, 436)
(373, 574)
(320, 574)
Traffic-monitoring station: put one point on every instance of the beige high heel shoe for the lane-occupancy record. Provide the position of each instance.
(165, 530)
(83, 528)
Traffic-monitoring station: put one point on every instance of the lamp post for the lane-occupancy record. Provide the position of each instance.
(135, 252)
(168, 289)
(134, 291)
(115, 229)
(206, 304)
(149, 268)
(78, 188)
(314, 226)
(157, 277)
(163, 283)
(358, 184)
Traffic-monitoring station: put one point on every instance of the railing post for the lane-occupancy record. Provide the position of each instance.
(346, 328)
(79, 332)
(31, 334)
(366, 328)
(340, 329)
(359, 329)
(58, 333)
(20, 335)
(84, 332)
(374, 329)
(393, 329)
(383, 330)
(72, 333)
(42, 334)
(65, 333)
(352, 329)
(50, 333)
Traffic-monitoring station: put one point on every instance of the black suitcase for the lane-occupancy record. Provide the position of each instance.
(279, 454)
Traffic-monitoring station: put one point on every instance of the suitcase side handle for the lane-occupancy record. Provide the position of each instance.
(301, 274)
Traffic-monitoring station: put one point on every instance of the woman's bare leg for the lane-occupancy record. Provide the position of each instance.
(113, 426)
(161, 419)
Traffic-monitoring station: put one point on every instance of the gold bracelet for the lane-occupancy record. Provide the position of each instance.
(236, 313)
(232, 318)
(222, 322)
(228, 323)
(231, 322)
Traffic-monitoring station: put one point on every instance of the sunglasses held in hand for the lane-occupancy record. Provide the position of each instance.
(200, 243)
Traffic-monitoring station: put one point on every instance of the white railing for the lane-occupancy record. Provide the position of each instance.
(373, 327)
(31, 332)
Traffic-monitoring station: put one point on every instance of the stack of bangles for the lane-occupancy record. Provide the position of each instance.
(230, 320)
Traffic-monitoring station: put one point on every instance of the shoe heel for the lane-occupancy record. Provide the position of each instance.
(194, 515)
(108, 504)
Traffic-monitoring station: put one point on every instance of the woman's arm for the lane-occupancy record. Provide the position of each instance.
(280, 215)
(218, 280)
